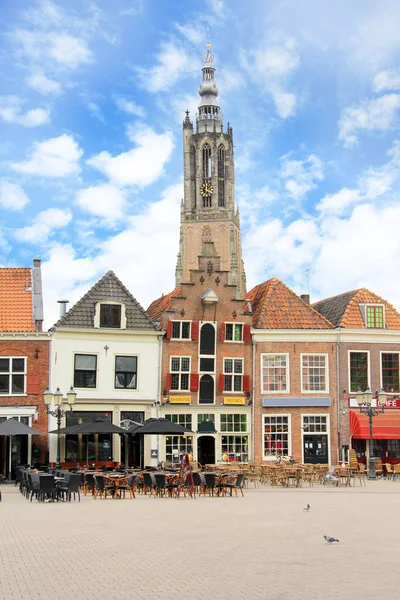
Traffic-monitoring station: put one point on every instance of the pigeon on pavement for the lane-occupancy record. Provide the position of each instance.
(330, 539)
(307, 508)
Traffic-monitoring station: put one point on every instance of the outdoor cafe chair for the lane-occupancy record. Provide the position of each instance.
(396, 471)
(211, 483)
(235, 483)
(123, 485)
(101, 488)
(149, 483)
(34, 485)
(47, 488)
(89, 484)
(71, 486)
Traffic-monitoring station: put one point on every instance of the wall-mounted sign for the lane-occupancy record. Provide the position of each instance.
(390, 402)
(179, 399)
(237, 400)
(154, 453)
(307, 401)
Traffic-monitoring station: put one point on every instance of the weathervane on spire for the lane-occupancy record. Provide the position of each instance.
(208, 57)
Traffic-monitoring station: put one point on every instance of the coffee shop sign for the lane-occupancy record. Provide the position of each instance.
(391, 402)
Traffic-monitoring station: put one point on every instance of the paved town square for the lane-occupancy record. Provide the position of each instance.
(262, 546)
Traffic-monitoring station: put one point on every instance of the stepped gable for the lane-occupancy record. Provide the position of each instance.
(109, 287)
(16, 308)
(157, 307)
(344, 310)
(276, 306)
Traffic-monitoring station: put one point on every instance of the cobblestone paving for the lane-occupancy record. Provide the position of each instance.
(262, 546)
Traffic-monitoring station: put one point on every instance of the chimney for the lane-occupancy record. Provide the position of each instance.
(305, 298)
(63, 306)
(37, 295)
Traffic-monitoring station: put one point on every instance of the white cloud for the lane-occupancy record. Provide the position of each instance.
(300, 176)
(43, 84)
(178, 105)
(378, 114)
(337, 203)
(387, 80)
(62, 50)
(53, 158)
(12, 196)
(11, 112)
(43, 226)
(277, 61)
(105, 201)
(130, 107)
(285, 103)
(65, 274)
(378, 181)
(195, 33)
(141, 165)
(172, 62)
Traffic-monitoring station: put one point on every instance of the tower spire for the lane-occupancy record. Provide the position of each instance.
(209, 116)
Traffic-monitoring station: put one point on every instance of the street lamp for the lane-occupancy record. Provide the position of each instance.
(364, 401)
(58, 412)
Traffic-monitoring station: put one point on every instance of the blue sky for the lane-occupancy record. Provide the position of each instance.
(92, 99)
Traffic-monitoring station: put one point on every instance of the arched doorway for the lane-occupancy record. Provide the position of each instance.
(206, 450)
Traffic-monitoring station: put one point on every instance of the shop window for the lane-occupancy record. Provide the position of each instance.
(12, 376)
(95, 447)
(315, 424)
(235, 448)
(235, 422)
(176, 446)
(181, 419)
(393, 448)
(358, 371)
(275, 373)
(276, 436)
(85, 370)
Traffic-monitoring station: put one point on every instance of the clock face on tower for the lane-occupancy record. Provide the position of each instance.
(206, 189)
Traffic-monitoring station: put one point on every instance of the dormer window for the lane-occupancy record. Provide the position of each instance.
(375, 316)
(110, 315)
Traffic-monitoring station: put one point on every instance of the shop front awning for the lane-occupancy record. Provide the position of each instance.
(385, 426)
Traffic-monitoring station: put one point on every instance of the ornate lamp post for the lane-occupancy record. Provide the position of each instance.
(58, 412)
(364, 401)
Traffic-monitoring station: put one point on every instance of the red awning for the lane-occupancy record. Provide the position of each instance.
(385, 426)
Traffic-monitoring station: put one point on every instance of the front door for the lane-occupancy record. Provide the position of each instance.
(316, 449)
(206, 450)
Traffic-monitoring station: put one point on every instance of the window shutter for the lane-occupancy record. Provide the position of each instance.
(222, 332)
(169, 381)
(221, 383)
(194, 382)
(32, 384)
(195, 330)
(246, 333)
(246, 383)
(169, 330)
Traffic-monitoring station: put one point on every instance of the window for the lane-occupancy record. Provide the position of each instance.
(375, 316)
(221, 176)
(181, 330)
(314, 373)
(110, 315)
(235, 448)
(207, 340)
(85, 370)
(180, 370)
(233, 332)
(276, 436)
(390, 371)
(393, 448)
(233, 372)
(275, 373)
(315, 424)
(12, 375)
(234, 422)
(206, 390)
(126, 372)
(358, 371)
(184, 420)
(95, 447)
(205, 417)
(176, 446)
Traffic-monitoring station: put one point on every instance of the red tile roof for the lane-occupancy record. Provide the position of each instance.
(157, 307)
(276, 306)
(344, 310)
(16, 308)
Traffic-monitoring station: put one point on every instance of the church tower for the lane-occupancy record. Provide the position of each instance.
(208, 212)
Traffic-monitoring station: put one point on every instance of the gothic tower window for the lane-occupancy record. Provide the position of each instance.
(207, 175)
(206, 235)
(221, 176)
(193, 174)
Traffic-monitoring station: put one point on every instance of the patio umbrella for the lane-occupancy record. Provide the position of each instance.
(12, 427)
(161, 427)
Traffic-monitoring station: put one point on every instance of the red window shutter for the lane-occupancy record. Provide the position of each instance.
(169, 330)
(246, 383)
(32, 384)
(221, 383)
(222, 332)
(169, 381)
(195, 330)
(246, 333)
(194, 382)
